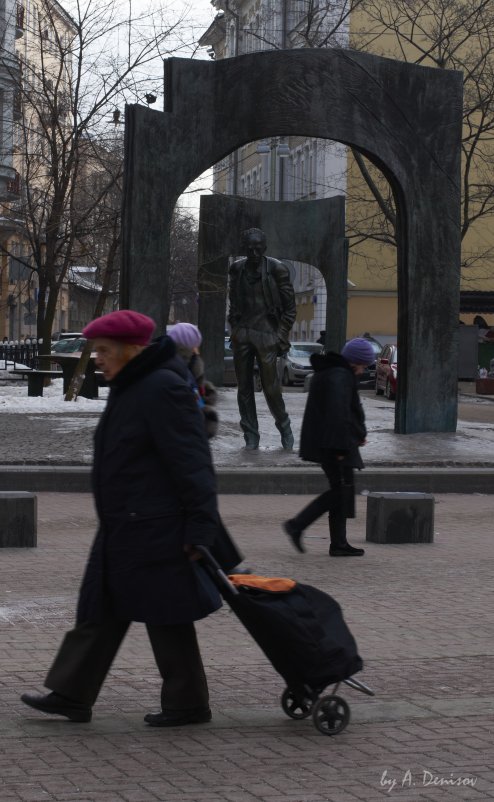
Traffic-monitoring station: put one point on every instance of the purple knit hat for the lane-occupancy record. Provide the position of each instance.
(185, 334)
(359, 352)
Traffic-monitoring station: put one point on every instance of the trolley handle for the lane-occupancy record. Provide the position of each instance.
(216, 569)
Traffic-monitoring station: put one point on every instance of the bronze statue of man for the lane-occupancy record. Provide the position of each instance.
(261, 314)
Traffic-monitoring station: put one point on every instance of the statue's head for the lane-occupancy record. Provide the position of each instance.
(253, 244)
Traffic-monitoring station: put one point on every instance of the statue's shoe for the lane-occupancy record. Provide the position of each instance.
(287, 441)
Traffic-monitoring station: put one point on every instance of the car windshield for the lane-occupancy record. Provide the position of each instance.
(305, 350)
(61, 345)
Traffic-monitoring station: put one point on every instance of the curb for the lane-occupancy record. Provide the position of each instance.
(260, 481)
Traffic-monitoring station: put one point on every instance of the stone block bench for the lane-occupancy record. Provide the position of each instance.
(400, 518)
(18, 519)
(36, 379)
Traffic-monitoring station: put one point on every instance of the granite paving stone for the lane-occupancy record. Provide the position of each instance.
(422, 617)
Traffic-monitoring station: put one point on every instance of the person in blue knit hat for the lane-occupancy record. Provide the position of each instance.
(333, 428)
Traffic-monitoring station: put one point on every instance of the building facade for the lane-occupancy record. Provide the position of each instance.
(289, 169)
(36, 82)
(11, 28)
(423, 33)
(443, 36)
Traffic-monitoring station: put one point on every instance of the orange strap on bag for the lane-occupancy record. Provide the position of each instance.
(271, 584)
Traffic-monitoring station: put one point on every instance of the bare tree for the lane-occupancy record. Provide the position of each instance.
(446, 34)
(99, 201)
(77, 72)
(183, 265)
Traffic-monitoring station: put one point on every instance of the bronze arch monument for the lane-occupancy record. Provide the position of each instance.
(405, 118)
(304, 231)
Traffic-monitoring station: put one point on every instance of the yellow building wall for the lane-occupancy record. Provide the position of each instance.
(477, 271)
(373, 313)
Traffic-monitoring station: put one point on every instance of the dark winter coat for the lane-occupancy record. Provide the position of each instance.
(154, 489)
(334, 421)
(208, 395)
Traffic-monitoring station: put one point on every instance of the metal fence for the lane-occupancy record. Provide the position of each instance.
(19, 354)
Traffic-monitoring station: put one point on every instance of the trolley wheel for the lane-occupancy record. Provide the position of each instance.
(330, 714)
(295, 707)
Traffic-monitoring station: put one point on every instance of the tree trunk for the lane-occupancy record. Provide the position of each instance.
(80, 370)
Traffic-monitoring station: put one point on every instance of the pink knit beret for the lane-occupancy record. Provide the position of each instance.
(185, 334)
(125, 325)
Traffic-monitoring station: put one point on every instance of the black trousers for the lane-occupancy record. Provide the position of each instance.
(87, 652)
(338, 502)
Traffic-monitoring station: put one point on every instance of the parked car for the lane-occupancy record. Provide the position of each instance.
(366, 379)
(229, 375)
(294, 366)
(67, 335)
(387, 371)
(68, 345)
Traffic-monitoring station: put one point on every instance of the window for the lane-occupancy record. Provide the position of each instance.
(231, 41)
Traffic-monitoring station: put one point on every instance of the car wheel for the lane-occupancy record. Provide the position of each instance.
(285, 380)
(389, 393)
(379, 390)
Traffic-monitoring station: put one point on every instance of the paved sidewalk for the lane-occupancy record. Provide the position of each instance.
(422, 617)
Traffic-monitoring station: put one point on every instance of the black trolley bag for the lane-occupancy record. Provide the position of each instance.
(303, 634)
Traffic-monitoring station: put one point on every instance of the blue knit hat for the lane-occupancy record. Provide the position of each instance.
(359, 352)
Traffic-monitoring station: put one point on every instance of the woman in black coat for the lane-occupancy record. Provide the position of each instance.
(333, 428)
(155, 495)
(187, 339)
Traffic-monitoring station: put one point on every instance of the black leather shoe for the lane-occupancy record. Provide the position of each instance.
(56, 705)
(179, 718)
(345, 550)
(295, 535)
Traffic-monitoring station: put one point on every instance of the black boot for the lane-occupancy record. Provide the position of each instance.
(345, 550)
(295, 535)
(337, 531)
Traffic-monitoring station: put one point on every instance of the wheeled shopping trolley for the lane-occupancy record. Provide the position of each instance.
(302, 632)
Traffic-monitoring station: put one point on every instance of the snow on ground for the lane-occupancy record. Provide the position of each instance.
(471, 443)
(14, 397)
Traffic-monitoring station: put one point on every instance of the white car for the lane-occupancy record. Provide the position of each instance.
(295, 365)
